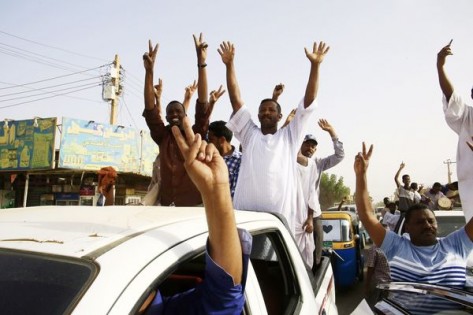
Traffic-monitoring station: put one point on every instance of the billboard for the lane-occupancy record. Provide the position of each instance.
(27, 144)
(87, 145)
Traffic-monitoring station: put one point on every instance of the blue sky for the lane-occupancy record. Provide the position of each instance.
(378, 82)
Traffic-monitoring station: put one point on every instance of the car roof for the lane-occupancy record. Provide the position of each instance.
(449, 213)
(79, 231)
(349, 206)
(340, 214)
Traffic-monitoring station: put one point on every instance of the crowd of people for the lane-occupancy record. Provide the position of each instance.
(276, 170)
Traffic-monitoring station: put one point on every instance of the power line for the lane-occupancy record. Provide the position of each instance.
(68, 96)
(128, 110)
(37, 58)
(46, 87)
(39, 99)
(54, 78)
(53, 47)
(49, 92)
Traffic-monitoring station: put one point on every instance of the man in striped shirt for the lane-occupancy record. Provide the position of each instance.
(424, 258)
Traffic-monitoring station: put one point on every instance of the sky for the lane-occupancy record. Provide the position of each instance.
(378, 83)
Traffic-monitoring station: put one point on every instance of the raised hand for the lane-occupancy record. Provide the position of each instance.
(202, 161)
(443, 53)
(158, 90)
(325, 125)
(318, 52)
(215, 94)
(362, 160)
(150, 56)
(402, 165)
(201, 49)
(190, 90)
(289, 117)
(278, 89)
(227, 52)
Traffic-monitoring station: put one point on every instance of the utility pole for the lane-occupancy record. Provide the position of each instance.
(449, 174)
(115, 76)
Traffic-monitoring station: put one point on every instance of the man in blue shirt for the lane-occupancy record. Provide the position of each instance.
(423, 258)
(222, 291)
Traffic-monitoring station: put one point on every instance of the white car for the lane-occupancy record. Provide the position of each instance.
(107, 260)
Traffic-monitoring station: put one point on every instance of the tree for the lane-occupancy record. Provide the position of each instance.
(332, 190)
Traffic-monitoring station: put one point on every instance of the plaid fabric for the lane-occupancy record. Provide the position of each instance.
(376, 259)
(233, 162)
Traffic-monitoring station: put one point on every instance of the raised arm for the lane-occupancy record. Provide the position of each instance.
(227, 52)
(208, 171)
(189, 91)
(278, 89)
(148, 62)
(396, 176)
(214, 96)
(158, 91)
(289, 117)
(201, 49)
(315, 57)
(326, 126)
(445, 84)
(362, 198)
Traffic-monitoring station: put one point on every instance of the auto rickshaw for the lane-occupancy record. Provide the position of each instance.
(344, 242)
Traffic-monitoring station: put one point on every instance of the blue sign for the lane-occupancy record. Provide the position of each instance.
(87, 145)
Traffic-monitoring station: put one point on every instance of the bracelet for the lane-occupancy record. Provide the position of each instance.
(202, 65)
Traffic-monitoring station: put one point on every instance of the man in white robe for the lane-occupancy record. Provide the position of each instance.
(268, 175)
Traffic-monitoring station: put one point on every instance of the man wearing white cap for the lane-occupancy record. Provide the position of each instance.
(310, 171)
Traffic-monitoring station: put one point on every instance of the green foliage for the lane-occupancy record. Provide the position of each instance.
(332, 190)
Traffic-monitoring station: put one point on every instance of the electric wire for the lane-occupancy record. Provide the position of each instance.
(47, 97)
(51, 92)
(68, 96)
(47, 87)
(128, 110)
(14, 51)
(35, 59)
(22, 51)
(53, 47)
(55, 78)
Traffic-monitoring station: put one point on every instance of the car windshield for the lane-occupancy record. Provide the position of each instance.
(41, 284)
(449, 224)
(336, 230)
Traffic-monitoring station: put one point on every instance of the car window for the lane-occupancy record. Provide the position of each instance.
(449, 224)
(42, 284)
(275, 273)
(188, 273)
(336, 230)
